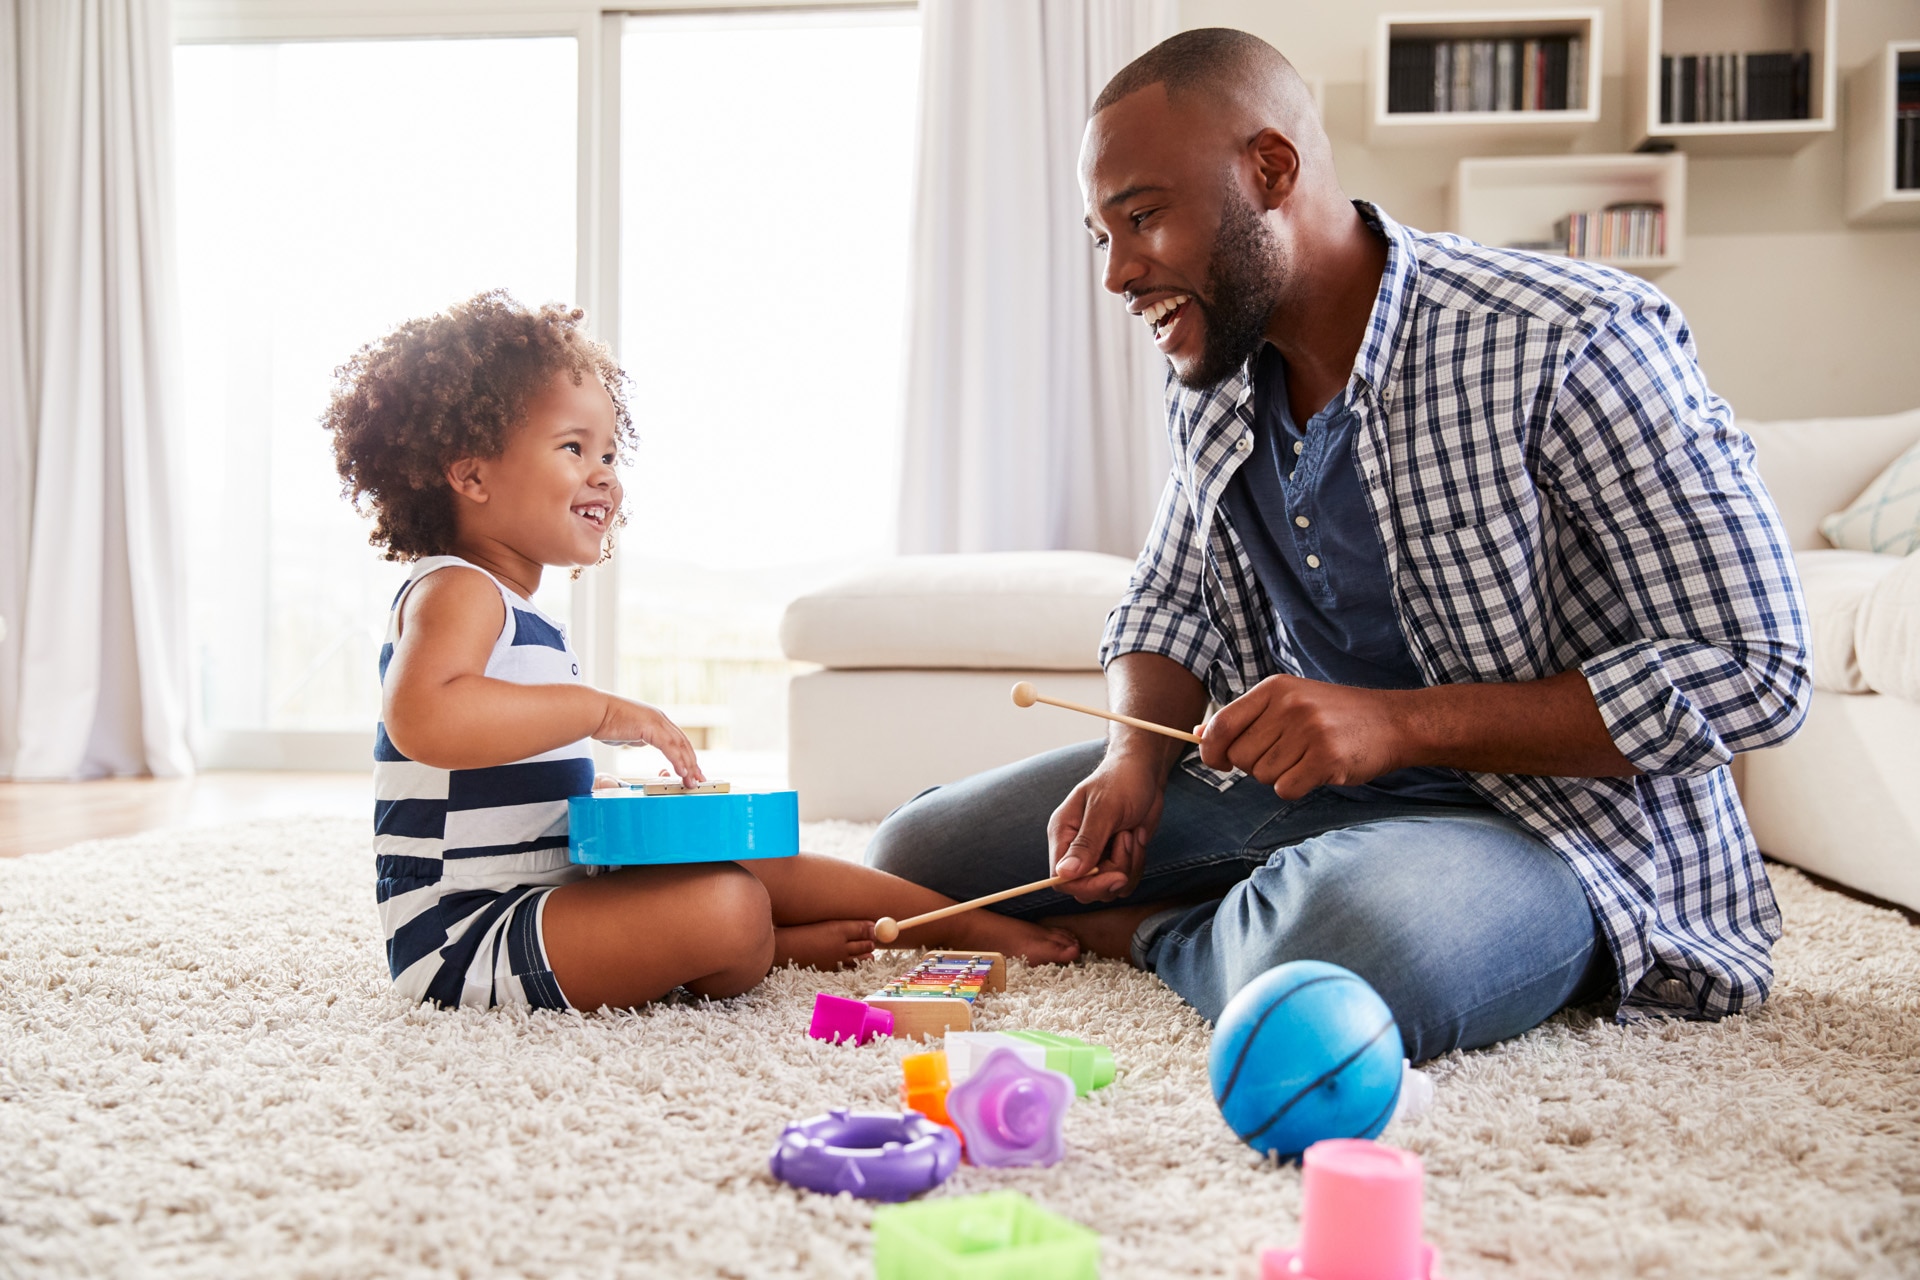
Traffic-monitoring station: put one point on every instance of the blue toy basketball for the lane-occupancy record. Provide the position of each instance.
(1305, 1051)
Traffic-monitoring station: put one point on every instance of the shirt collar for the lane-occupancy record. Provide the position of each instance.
(1374, 363)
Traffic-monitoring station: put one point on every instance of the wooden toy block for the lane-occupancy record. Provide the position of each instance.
(936, 996)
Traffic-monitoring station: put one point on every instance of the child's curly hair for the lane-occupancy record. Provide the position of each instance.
(446, 387)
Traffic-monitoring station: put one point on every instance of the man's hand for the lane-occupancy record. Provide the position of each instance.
(1295, 735)
(1104, 825)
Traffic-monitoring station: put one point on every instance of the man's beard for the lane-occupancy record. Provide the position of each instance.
(1244, 278)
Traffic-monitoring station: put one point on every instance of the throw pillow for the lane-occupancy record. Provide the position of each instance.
(1885, 518)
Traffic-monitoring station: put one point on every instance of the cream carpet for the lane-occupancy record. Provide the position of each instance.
(202, 1073)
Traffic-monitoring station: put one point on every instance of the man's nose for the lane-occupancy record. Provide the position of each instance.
(1123, 268)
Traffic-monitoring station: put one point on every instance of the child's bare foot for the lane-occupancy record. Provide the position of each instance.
(991, 931)
(830, 944)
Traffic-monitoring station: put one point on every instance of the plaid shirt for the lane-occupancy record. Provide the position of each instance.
(1555, 487)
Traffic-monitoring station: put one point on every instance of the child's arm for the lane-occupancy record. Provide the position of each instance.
(442, 710)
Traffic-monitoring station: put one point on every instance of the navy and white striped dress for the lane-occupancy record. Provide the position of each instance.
(467, 857)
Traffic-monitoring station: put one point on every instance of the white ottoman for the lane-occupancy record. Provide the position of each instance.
(918, 655)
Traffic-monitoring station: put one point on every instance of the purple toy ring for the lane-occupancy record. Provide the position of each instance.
(876, 1155)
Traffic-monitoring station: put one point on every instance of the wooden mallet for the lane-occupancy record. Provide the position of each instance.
(886, 928)
(1025, 695)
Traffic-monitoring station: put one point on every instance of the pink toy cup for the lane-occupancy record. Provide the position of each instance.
(1359, 1217)
(837, 1018)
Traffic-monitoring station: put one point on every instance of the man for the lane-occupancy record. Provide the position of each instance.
(1477, 570)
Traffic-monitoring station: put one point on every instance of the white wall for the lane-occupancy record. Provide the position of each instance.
(1796, 313)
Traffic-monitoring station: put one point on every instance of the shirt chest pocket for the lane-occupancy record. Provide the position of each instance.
(1474, 600)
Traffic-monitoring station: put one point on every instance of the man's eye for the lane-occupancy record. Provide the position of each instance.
(1100, 243)
(1138, 218)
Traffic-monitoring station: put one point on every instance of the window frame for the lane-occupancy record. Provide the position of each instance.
(596, 28)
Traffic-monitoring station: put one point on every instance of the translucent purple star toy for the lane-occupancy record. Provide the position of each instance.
(1011, 1112)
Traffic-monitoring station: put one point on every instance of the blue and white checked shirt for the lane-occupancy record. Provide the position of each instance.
(1555, 487)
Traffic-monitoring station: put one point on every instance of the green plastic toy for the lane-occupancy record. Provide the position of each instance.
(1000, 1235)
(1089, 1066)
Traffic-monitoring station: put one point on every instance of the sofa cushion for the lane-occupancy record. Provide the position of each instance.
(1040, 610)
(1887, 635)
(1837, 584)
(1886, 517)
(1815, 466)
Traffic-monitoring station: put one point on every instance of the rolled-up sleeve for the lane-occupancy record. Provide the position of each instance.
(1649, 463)
(1164, 610)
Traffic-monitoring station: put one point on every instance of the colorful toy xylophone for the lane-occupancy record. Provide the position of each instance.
(936, 996)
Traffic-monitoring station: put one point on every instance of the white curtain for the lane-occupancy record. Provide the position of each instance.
(93, 675)
(1033, 416)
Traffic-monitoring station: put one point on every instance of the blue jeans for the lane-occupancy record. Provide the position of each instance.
(1469, 927)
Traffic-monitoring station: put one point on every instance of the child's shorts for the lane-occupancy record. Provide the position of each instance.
(495, 952)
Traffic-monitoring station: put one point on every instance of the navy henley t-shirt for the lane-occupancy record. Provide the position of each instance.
(1300, 511)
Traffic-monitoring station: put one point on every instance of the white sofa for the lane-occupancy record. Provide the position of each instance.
(1842, 797)
(918, 656)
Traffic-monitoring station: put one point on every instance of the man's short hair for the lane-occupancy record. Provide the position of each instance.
(1209, 58)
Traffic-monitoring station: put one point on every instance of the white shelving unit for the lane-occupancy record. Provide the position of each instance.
(1508, 199)
(1679, 27)
(1417, 127)
(1872, 91)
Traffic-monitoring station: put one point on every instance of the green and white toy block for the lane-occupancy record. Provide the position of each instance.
(1089, 1066)
(1000, 1235)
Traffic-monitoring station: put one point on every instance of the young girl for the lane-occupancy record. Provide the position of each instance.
(485, 441)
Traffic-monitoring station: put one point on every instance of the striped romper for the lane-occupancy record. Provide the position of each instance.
(467, 857)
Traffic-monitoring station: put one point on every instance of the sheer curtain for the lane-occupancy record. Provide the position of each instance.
(92, 669)
(1033, 416)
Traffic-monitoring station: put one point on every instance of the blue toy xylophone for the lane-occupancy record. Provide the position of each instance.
(628, 827)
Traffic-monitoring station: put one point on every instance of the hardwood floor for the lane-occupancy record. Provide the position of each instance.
(36, 816)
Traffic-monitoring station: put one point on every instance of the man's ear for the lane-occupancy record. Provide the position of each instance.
(465, 479)
(1276, 166)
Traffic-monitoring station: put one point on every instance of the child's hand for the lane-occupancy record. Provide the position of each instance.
(635, 723)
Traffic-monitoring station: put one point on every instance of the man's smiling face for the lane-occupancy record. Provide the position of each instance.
(1185, 247)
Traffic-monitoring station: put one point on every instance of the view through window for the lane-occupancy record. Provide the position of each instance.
(766, 187)
(328, 191)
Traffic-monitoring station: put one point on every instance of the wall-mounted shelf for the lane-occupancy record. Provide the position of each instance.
(1872, 105)
(1516, 200)
(1678, 28)
(1495, 78)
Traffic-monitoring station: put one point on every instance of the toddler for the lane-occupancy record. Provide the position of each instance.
(485, 441)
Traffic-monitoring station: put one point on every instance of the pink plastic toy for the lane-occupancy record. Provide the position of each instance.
(838, 1018)
(1010, 1112)
(1359, 1217)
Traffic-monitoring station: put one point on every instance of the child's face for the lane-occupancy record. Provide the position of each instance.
(553, 493)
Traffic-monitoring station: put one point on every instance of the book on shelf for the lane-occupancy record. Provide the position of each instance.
(1718, 88)
(1543, 74)
(1906, 126)
(1630, 229)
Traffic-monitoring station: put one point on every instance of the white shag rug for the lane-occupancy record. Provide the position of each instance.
(202, 1072)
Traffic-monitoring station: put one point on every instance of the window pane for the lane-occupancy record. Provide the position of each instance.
(766, 187)
(328, 191)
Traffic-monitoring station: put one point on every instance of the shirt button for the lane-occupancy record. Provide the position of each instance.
(1313, 562)
(1299, 445)
(1302, 521)
(1243, 444)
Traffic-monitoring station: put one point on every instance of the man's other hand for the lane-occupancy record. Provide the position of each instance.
(1099, 833)
(1295, 735)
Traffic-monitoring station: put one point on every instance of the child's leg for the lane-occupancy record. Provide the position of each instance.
(822, 906)
(634, 935)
